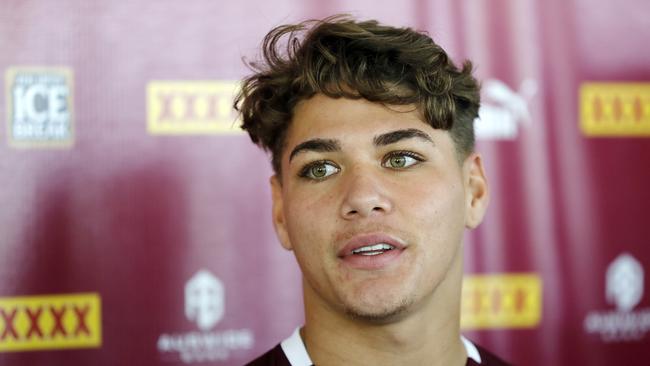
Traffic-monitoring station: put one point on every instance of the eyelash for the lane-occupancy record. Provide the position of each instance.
(306, 170)
(410, 154)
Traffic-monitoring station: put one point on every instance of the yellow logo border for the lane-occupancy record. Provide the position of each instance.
(53, 341)
(620, 105)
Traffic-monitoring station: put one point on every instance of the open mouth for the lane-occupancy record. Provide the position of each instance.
(370, 250)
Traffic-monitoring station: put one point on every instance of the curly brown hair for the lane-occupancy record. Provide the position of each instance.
(341, 57)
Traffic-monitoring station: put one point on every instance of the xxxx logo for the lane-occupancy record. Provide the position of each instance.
(50, 322)
(191, 107)
(501, 301)
(615, 109)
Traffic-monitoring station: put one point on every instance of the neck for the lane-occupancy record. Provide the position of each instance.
(429, 334)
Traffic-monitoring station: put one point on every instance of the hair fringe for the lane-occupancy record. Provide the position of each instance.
(340, 57)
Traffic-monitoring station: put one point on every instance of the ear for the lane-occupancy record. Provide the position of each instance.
(279, 221)
(476, 190)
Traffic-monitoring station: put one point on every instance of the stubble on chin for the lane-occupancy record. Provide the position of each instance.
(379, 313)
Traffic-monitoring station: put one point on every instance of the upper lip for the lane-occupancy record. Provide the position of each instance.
(363, 240)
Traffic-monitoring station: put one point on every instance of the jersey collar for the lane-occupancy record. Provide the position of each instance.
(294, 348)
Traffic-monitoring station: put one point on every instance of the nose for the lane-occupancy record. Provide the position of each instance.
(364, 195)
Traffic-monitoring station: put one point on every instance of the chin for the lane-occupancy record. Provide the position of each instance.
(379, 313)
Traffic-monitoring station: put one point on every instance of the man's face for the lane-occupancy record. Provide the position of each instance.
(373, 202)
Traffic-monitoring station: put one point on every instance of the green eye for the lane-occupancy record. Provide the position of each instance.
(401, 160)
(319, 170)
(397, 161)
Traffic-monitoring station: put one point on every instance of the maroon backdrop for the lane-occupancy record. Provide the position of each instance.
(135, 221)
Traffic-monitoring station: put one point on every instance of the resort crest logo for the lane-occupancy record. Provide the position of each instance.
(624, 290)
(205, 299)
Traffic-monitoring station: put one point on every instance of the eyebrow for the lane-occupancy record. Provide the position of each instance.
(317, 145)
(398, 135)
(329, 145)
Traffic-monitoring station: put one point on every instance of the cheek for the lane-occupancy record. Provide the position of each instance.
(308, 222)
(439, 223)
(439, 217)
(441, 203)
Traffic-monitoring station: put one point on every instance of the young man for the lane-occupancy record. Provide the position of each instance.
(370, 129)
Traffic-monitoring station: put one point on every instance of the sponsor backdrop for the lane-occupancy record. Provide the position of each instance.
(135, 217)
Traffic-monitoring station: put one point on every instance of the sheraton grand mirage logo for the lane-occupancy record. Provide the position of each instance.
(205, 300)
(624, 290)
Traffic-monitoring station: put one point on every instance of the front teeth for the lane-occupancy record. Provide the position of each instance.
(373, 249)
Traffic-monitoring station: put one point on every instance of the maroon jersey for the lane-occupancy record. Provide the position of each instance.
(292, 352)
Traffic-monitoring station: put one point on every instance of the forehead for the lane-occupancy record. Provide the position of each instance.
(349, 120)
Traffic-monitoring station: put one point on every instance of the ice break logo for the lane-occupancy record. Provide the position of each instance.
(39, 106)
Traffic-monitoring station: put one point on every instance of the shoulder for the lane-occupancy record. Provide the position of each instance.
(488, 358)
(274, 357)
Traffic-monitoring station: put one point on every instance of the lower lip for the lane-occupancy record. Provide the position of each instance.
(372, 262)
